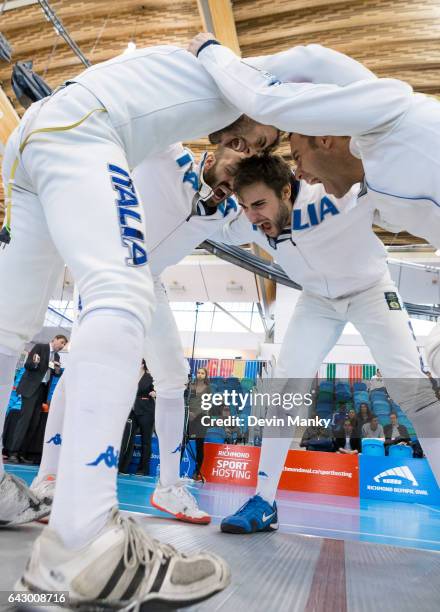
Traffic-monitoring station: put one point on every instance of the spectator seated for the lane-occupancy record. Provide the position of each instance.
(373, 447)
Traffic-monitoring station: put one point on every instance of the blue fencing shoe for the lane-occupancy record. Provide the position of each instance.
(255, 515)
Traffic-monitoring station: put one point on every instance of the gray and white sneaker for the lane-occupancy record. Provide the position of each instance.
(18, 504)
(122, 568)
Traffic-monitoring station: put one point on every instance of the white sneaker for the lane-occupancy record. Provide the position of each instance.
(18, 504)
(44, 488)
(178, 501)
(121, 569)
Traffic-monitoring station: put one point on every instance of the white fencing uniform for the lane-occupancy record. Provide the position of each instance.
(394, 131)
(175, 224)
(73, 200)
(332, 252)
(69, 170)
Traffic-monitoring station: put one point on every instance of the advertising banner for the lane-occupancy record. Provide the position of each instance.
(398, 479)
(317, 472)
(232, 464)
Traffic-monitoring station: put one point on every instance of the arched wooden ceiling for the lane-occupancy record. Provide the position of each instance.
(394, 38)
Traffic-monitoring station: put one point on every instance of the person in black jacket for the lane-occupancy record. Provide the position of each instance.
(141, 417)
(395, 433)
(41, 364)
(349, 443)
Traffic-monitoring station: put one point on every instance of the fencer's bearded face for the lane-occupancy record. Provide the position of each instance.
(219, 172)
(264, 208)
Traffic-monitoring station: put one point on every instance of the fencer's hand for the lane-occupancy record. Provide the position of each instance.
(199, 40)
(152, 394)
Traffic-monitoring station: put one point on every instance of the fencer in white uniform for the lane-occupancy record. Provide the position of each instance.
(185, 203)
(329, 247)
(67, 172)
(67, 121)
(393, 131)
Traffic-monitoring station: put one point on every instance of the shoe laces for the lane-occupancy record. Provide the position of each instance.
(182, 492)
(44, 487)
(139, 547)
(253, 501)
(24, 489)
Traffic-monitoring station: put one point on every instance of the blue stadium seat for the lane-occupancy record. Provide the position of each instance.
(359, 386)
(400, 450)
(373, 447)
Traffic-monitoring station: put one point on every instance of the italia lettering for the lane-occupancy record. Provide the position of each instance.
(312, 216)
(130, 220)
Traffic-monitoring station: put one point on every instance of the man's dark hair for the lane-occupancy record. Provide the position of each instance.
(395, 414)
(373, 416)
(61, 336)
(271, 170)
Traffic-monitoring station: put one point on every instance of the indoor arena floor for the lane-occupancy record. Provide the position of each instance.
(330, 553)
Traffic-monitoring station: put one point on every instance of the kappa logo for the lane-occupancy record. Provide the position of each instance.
(313, 216)
(56, 439)
(397, 476)
(109, 457)
(130, 220)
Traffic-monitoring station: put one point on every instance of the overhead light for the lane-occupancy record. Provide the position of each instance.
(131, 46)
(233, 287)
(176, 287)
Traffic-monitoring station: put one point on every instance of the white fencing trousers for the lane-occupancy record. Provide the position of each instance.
(163, 349)
(66, 207)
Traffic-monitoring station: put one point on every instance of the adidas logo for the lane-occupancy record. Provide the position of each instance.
(396, 475)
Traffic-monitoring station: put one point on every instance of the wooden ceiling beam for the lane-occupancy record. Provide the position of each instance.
(255, 35)
(217, 17)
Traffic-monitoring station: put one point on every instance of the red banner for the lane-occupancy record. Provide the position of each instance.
(315, 472)
(308, 471)
(231, 464)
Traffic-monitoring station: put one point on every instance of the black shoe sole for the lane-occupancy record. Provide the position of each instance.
(225, 528)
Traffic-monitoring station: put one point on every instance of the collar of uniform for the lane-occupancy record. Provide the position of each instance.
(363, 189)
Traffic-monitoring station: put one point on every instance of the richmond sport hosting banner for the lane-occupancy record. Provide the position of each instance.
(304, 471)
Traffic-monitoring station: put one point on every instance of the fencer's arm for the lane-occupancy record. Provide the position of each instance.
(359, 108)
(235, 232)
(312, 64)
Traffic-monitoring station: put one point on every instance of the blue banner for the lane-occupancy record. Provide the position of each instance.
(398, 479)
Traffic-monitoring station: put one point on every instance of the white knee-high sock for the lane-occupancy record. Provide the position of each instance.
(8, 362)
(53, 435)
(272, 459)
(169, 422)
(100, 389)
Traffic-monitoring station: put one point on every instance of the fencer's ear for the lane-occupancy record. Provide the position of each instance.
(209, 161)
(286, 192)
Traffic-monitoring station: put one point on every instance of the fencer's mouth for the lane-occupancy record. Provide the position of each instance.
(221, 192)
(265, 226)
